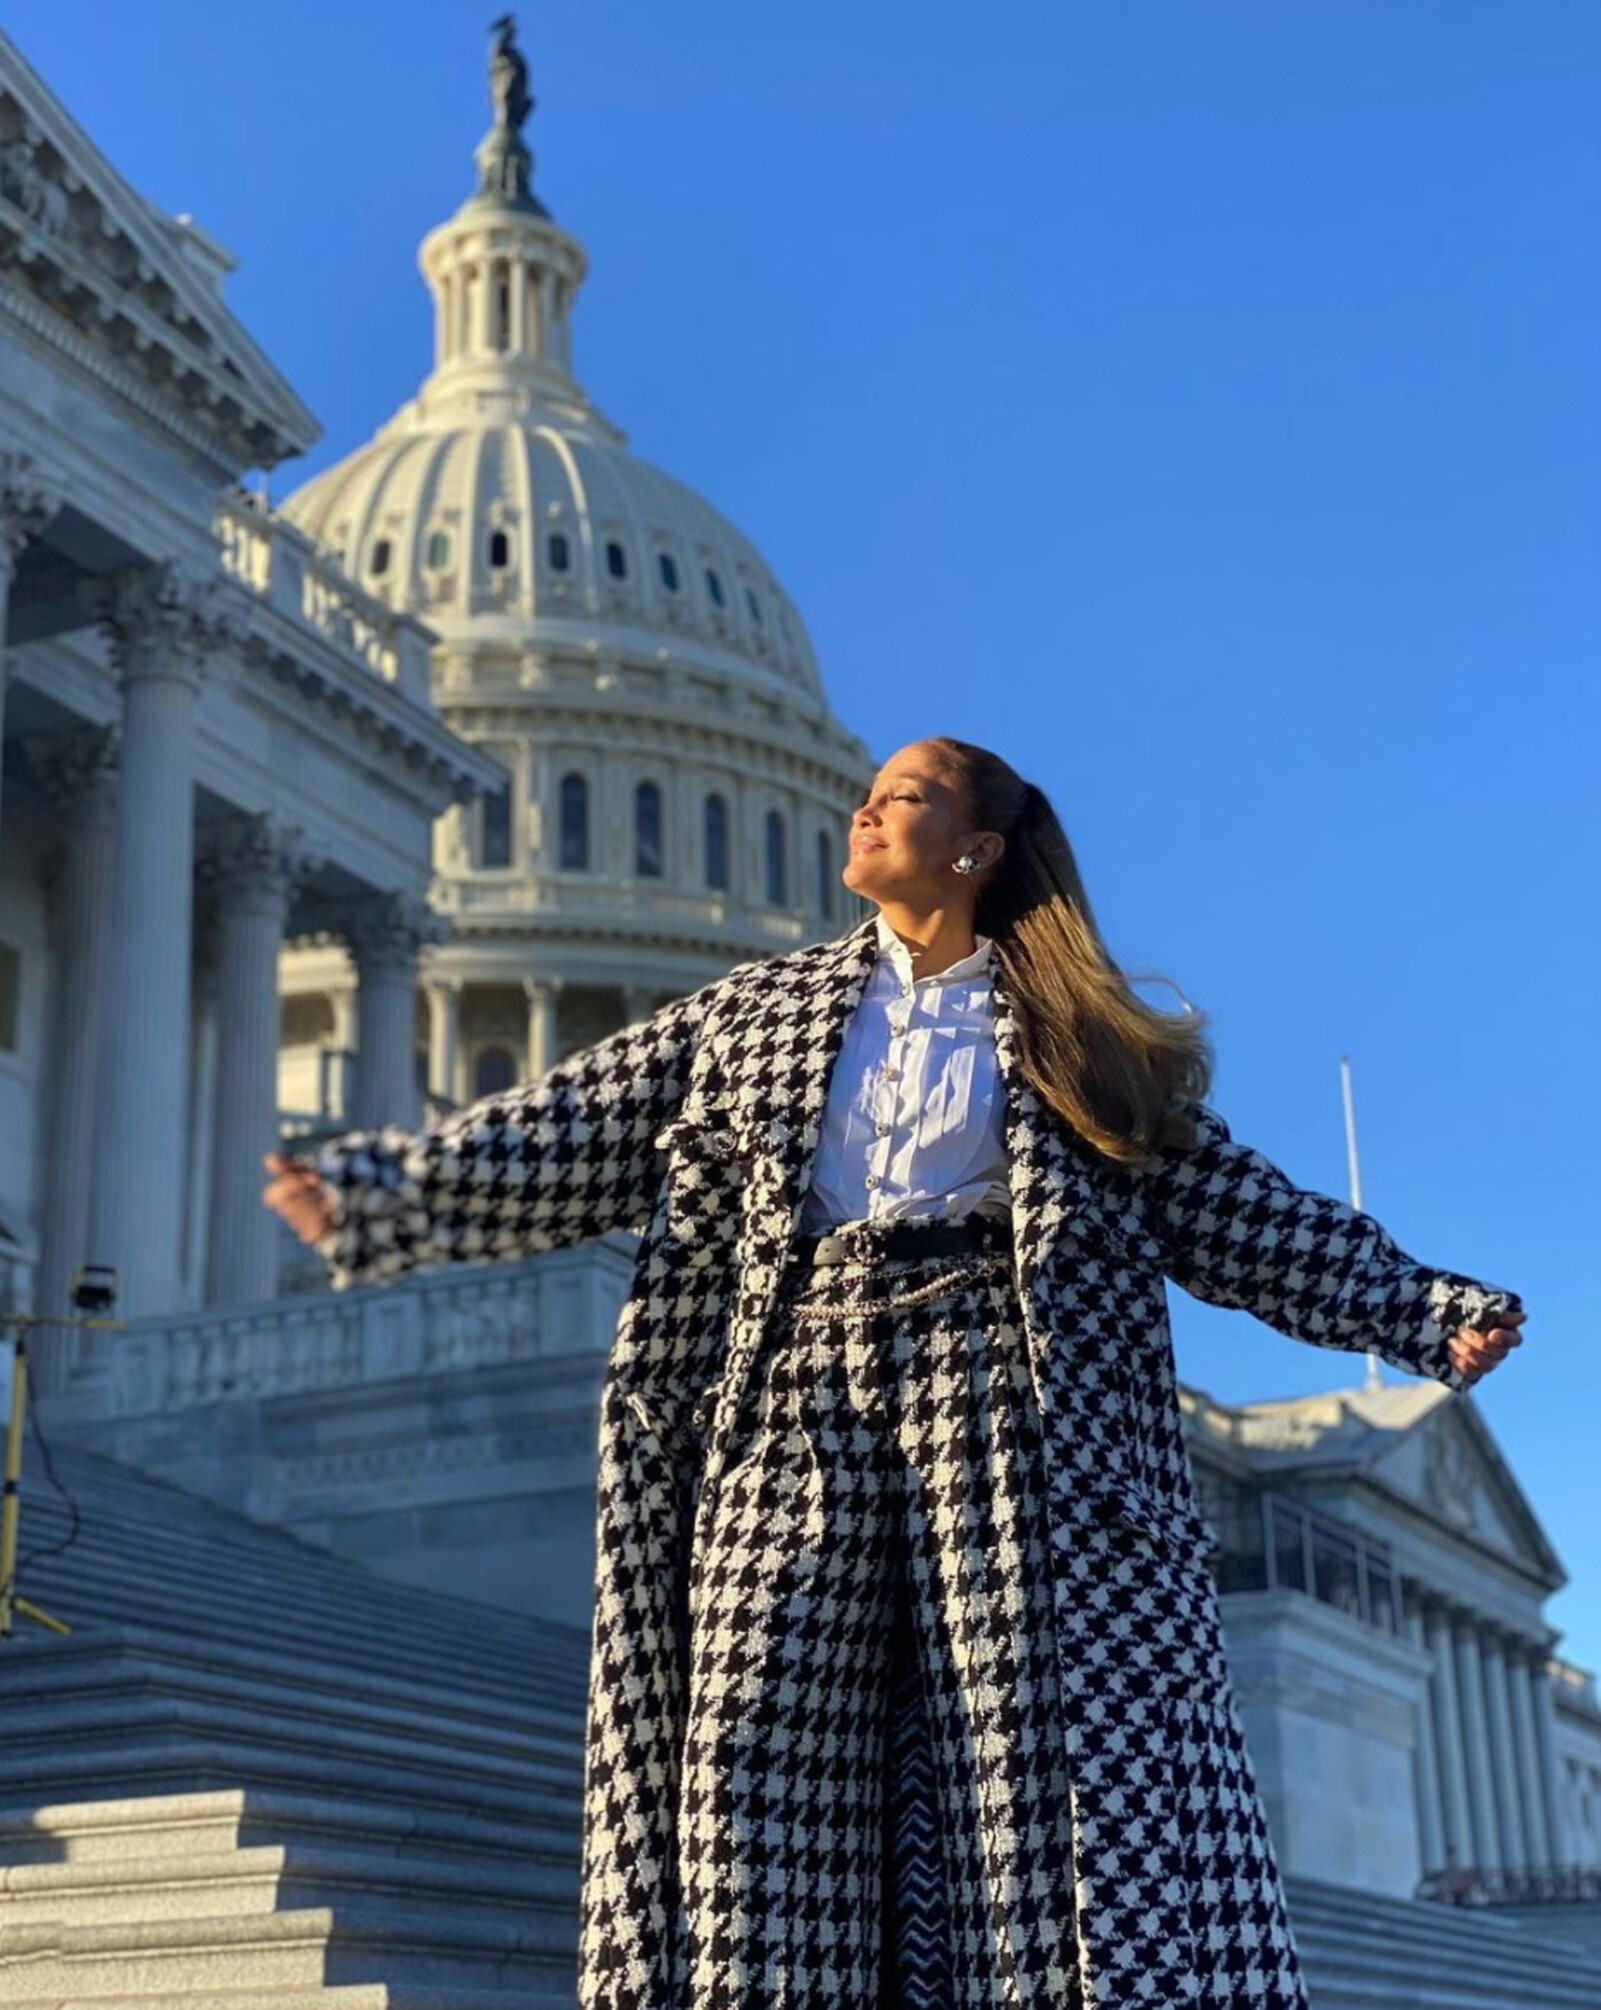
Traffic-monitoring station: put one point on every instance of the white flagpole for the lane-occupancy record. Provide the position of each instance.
(1373, 1381)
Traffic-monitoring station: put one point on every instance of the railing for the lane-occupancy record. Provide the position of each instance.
(507, 894)
(440, 1320)
(280, 564)
(1302, 1549)
(1567, 1884)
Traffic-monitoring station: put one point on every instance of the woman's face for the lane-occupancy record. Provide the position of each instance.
(909, 831)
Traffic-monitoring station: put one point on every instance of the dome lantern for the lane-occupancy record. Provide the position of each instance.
(502, 272)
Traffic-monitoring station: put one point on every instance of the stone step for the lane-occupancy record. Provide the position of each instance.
(96, 1831)
(349, 1996)
(44, 1701)
(277, 1878)
(1363, 1952)
(160, 1762)
(345, 1618)
(430, 1761)
(364, 1941)
(36, 1665)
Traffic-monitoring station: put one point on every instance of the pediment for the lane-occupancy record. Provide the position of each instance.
(92, 264)
(1449, 1464)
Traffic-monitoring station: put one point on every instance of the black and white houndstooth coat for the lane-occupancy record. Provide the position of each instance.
(697, 1127)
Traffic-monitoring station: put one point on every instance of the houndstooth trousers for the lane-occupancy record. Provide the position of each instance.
(874, 1802)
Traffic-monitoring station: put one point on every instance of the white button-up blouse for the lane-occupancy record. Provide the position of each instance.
(913, 1121)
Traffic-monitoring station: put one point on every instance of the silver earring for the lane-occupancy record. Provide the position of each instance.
(966, 863)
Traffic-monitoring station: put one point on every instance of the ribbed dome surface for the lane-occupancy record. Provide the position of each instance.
(546, 517)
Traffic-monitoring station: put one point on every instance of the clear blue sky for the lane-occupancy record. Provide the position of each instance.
(1196, 401)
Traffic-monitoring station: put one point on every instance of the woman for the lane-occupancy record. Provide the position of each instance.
(907, 1683)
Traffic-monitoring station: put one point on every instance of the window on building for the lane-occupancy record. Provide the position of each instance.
(494, 1070)
(716, 842)
(669, 570)
(755, 607)
(714, 586)
(558, 551)
(777, 878)
(648, 830)
(616, 559)
(10, 995)
(438, 550)
(825, 873)
(574, 853)
(494, 839)
(499, 550)
(380, 558)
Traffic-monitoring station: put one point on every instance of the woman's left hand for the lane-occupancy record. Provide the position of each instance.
(1475, 1352)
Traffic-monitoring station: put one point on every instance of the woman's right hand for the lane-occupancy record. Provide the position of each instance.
(299, 1196)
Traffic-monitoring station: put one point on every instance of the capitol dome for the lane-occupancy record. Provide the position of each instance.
(678, 794)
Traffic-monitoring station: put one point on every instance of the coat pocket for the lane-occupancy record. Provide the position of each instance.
(702, 1176)
(1185, 1535)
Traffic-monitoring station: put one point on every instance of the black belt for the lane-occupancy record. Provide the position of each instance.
(920, 1235)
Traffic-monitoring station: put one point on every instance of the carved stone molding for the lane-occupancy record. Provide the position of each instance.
(164, 620)
(76, 771)
(29, 498)
(1451, 1475)
(259, 861)
(392, 929)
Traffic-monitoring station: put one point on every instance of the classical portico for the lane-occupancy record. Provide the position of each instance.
(1384, 1578)
(198, 713)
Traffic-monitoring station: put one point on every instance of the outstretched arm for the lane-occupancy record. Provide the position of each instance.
(553, 1161)
(1236, 1231)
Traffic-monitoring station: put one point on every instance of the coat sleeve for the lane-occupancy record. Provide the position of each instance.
(1236, 1231)
(555, 1160)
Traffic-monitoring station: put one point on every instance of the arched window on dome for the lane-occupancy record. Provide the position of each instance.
(648, 830)
(754, 605)
(716, 842)
(777, 877)
(379, 562)
(714, 586)
(669, 570)
(499, 550)
(825, 874)
(494, 1070)
(438, 550)
(494, 827)
(616, 559)
(574, 842)
(558, 551)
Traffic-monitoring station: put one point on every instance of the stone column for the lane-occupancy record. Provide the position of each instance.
(386, 938)
(203, 1042)
(1448, 1736)
(1563, 1852)
(164, 621)
(77, 772)
(1476, 1744)
(252, 870)
(543, 995)
(1509, 1798)
(1542, 1856)
(444, 1035)
(27, 503)
(1431, 1819)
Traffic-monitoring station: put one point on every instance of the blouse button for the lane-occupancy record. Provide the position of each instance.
(891, 1074)
(872, 1179)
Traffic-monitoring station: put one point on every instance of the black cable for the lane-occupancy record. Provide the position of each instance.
(76, 1526)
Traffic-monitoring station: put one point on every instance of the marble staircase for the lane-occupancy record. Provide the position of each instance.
(259, 1777)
